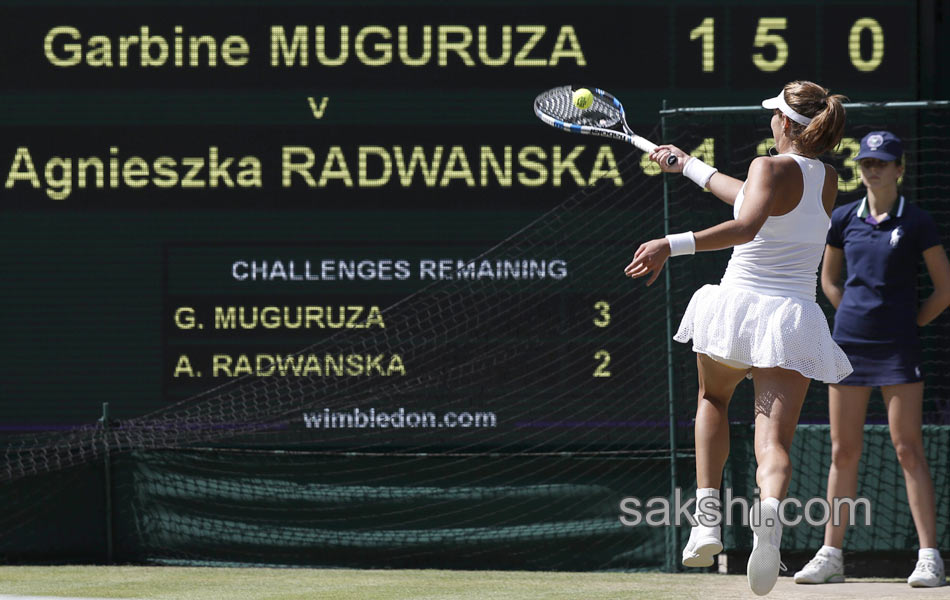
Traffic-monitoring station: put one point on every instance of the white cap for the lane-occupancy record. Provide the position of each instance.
(780, 103)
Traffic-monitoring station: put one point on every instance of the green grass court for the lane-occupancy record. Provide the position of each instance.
(179, 583)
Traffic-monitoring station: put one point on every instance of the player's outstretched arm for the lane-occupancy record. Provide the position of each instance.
(723, 186)
(651, 256)
(759, 195)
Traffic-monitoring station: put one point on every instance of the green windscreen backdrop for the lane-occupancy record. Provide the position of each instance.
(323, 263)
(154, 154)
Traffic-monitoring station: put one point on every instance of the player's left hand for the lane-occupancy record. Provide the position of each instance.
(649, 258)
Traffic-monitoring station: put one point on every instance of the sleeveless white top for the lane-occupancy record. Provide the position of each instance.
(764, 312)
(783, 258)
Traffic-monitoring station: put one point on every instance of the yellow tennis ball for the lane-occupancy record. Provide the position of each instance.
(583, 99)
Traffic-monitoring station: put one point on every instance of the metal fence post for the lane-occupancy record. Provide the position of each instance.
(107, 461)
(671, 538)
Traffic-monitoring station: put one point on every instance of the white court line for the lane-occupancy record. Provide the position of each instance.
(6, 597)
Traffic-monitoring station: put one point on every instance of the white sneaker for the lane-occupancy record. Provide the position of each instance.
(766, 559)
(704, 543)
(928, 573)
(823, 568)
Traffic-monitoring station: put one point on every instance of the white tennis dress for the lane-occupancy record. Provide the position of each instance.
(763, 312)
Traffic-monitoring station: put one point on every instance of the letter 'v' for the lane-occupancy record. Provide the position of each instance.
(318, 110)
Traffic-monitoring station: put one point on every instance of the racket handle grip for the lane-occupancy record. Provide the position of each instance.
(647, 146)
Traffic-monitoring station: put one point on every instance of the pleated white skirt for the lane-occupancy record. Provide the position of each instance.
(763, 331)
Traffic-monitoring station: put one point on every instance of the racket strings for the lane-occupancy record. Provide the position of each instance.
(559, 104)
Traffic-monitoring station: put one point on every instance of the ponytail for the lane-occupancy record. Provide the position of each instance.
(826, 112)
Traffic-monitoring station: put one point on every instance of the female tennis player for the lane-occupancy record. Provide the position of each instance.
(762, 319)
(881, 239)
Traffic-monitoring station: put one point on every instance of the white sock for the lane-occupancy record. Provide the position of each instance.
(776, 527)
(700, 494)
(932, 553)
(831, 551)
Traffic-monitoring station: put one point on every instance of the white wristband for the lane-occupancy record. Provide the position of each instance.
(698, 172)
(682, 243)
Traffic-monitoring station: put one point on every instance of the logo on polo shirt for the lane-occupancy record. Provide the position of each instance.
(874, 142)
(896, 236)
(917, 371)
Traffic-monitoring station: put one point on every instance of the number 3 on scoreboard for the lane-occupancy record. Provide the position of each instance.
(604, 357)
(603, 313)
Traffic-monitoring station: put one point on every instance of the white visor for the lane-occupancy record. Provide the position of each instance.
(780, 103)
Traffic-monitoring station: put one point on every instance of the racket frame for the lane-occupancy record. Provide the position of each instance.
(627, 135)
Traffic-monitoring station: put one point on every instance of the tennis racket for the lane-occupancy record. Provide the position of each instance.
(605, 117)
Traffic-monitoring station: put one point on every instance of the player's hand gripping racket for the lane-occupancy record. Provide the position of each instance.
(605, 117)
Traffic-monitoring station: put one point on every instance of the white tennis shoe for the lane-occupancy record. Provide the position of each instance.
(823, 568)
(928, 573)
(766, 559)
(704, 543)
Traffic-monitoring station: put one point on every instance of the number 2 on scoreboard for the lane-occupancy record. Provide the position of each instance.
(604, 357)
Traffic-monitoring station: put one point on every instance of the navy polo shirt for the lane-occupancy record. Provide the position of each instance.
(880, 293)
